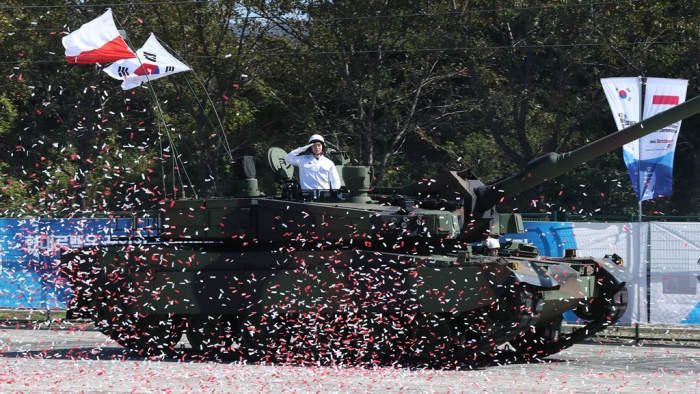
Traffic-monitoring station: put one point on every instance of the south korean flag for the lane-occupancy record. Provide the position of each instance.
(153, 62)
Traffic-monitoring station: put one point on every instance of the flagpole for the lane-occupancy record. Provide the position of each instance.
(639, 154)
(222, 136)
(163, 126)
(646, 261)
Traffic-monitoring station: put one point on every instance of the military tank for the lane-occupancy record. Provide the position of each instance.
(356, 275)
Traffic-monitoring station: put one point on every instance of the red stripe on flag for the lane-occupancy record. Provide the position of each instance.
(667, 100)
(109, 52)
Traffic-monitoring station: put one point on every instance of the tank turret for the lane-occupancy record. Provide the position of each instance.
(357, 275)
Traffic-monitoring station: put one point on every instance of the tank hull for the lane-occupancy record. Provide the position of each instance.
(249, 297)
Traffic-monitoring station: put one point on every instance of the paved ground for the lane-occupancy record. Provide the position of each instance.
(67, 361)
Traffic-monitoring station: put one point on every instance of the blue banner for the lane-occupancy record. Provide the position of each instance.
(649, 159)
(30, 253)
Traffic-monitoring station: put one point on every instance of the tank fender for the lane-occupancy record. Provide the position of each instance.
(541, 282)
(559, 273)
(611, 272)
(503, 276)
(533, 273)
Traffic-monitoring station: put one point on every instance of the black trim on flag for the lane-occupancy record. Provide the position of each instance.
(123, 71)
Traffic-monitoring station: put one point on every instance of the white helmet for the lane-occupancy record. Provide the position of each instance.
(317, 137)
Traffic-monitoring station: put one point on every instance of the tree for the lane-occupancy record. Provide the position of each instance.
(486, 85)
(384, 87)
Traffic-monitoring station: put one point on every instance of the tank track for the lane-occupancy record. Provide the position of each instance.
(348, 341)
(403, 346)
(542, 342)
(299, 340)
(526, 317)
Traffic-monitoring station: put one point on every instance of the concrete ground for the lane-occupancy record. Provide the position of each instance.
(74, 359)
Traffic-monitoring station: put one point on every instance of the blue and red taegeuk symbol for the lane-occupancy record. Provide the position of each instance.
(147, 69)
(623, 94)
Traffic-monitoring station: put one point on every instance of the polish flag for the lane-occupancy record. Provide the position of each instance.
(665, 100)
(97, 41)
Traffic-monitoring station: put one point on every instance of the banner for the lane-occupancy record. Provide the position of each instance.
(153, 62)
(29, 257)
(649, 160)
(658, 148)
(625, 98)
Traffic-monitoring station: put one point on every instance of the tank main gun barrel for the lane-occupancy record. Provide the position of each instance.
(552, 164)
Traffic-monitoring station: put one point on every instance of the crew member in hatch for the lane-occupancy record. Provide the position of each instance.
(316, 171)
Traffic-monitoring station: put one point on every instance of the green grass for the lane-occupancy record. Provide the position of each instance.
(7, 315)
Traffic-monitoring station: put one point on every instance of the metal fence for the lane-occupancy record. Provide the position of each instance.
(664, 257)
(631, 218)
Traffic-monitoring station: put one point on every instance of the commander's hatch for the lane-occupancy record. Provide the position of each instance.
(282, 171)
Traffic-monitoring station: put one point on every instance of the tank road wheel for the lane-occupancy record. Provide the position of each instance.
(312, 337)
(258, 331)
(351, 338)
(547, 340)
(321, 337)
(125, 333)
(343, 335)
(617, 305)
(210, 332)
(110, 317)
(537, 343)
(589, 309)
(511, 313)
(339, 338)
(604, 305)
(158, 334)
(505, 311)
(433, 338)
(379, 336)
(105, 311)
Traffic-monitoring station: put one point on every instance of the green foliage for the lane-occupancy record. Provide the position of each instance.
(412, 88)
(8, 115)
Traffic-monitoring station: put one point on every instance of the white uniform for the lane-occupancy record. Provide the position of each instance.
(314, 174)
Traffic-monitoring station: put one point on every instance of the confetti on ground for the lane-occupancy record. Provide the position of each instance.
(65, 360)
